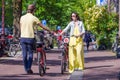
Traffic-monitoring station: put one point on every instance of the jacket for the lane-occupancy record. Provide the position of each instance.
(71, 26)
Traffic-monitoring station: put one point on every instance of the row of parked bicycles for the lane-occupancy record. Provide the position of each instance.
(10, 46)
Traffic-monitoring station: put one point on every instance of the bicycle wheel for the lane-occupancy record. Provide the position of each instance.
(63, 63)
(44, 62)
(12, 50)
(41, 65)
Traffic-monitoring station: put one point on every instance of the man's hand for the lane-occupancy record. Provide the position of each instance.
(61, 33)
(52, 32)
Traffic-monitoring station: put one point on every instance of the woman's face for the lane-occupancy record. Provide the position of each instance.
(73, 17)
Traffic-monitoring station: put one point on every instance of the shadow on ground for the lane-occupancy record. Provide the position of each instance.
(110, 76)
(54, 51)
(99, 58)
(105, 66)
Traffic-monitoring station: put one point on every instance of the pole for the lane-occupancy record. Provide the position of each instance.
(119, 18)
(3, 18)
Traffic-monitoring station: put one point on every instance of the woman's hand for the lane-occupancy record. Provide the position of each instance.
(80, 35)
(77, 36)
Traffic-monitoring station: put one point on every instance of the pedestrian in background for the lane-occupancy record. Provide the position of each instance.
(27, 22)
(87, 39)
(76, 47)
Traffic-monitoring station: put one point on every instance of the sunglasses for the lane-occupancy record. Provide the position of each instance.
(73, 16)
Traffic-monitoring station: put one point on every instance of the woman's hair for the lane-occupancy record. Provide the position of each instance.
(77, 16)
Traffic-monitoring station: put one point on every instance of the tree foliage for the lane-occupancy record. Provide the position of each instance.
(102, 23)
(8, 12)
(57, 12)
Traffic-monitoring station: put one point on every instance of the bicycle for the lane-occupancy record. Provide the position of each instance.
(14, 48)
(41, 58)
(64, 58)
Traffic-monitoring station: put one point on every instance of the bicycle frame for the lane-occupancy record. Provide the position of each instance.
(66, 51)
(42, 52)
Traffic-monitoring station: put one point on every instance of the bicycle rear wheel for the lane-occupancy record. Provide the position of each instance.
(41, 64)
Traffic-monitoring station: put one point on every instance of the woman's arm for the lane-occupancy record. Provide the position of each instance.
(66, 29)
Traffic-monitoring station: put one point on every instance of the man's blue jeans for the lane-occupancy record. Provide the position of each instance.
(27, 51)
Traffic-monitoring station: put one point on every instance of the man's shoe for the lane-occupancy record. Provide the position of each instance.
(30, 72)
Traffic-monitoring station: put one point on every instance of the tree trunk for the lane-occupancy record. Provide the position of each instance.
(17, 10)
(119, 18)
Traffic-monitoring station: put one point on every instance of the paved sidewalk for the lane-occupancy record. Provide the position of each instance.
(11, 68)
(99, 65)
(76, 75)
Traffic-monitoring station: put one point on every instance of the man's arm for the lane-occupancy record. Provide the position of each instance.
(44, 27)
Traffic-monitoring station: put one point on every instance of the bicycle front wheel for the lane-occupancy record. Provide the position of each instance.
(63, 63)
(41, 64)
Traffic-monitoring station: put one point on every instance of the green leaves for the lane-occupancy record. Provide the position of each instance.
(98, 18)
(102, 23)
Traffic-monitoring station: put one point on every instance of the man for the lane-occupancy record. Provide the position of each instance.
(27, 22)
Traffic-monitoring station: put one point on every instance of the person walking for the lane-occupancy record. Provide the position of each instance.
(76, 48)
(27, 24)
(87, 39)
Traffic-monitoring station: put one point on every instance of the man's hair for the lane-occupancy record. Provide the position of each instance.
(31, 8)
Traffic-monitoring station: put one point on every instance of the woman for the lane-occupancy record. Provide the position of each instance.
(76, 56)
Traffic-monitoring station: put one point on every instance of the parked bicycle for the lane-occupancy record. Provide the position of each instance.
(9, 45)
(116, 46)
(14, 47)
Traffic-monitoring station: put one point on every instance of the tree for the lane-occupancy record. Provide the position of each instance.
(17, 10)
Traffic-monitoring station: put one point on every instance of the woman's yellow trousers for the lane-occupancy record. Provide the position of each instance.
(76, 57)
